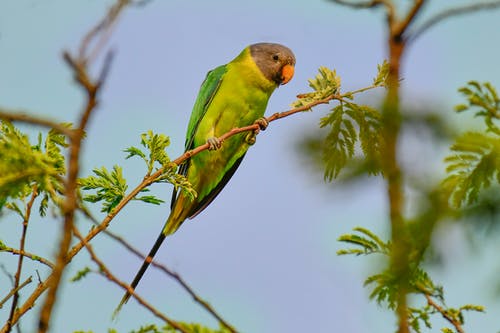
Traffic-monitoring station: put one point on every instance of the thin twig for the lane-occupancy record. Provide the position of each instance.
(14, 291)
(101, 31)
(451, 320)
(359, 4)
(28, 255)
(457, 11)
(389, 6)
(166, 270)
(107, 273)
(17, 276)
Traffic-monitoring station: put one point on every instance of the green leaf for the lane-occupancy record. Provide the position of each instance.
(484, 101)
(81, 274)
(382, 74)
(367, 245)
(133, 151)
(325, 84)
(150, 199)
(475, 162)
(109, 187)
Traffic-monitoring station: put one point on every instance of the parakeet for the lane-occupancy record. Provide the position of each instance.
(232, 95)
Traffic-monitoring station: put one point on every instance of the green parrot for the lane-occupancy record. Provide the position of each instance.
(232, 95)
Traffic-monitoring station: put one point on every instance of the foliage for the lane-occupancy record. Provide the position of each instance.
(385, 284)
(26, 168)
(156, 159)
(81, 274)
(110, 187)
(348, 122)
(475, 159)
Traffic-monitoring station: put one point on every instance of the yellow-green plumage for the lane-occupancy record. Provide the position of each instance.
(241, 98)
(232, 95)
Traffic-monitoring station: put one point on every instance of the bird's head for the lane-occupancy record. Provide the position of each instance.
(275, 61)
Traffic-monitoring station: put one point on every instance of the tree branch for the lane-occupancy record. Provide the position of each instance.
(400, 27)
(14, 291)
(17, 276)
(360, 4)
(449, 13)
(22, 116)
(29, 255)
(166, 270)
(451, 320)
(105, 272)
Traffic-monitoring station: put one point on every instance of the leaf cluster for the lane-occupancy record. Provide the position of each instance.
(110, 187)
(156, 158)
(325, 84)
(349, 123)
(26, 168)
(475, 160)
(386, 285)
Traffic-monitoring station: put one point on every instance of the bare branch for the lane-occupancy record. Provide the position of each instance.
(389, 6)
(14, 291)
(106, 272)
(29, 255)
(101, 31)
(166, 270)
(22, 116)
(17, 276)
(452, 12)
(400, 28)
(360, 4)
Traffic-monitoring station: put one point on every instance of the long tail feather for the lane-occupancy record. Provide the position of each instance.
(141, 271)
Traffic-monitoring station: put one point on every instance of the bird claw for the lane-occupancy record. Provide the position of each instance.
(262, 122)
(214, 143)
(250, 138)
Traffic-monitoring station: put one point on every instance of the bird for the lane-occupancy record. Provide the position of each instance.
(232, 95)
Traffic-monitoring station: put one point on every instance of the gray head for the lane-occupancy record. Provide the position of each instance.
(275, 61)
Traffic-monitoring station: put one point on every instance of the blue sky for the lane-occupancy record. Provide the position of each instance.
(264, 252)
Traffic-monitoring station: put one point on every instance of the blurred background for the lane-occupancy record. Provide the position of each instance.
(264, 253)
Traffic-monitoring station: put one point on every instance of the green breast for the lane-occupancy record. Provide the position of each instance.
(241, 99)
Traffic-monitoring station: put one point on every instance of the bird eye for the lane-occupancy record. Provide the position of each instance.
(276, 57)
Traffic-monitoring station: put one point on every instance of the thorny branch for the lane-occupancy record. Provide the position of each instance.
(105, 271)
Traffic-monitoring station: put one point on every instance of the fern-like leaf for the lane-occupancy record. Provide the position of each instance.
(475, 162)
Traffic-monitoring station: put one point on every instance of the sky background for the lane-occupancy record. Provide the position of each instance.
(263, 254)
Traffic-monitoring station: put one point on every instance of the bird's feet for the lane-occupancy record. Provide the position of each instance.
(262, 122)
(214, 143)
(251, 137)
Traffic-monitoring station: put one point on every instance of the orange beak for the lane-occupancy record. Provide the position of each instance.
(287, 73)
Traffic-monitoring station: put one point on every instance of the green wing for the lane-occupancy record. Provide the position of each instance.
(207, 92)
